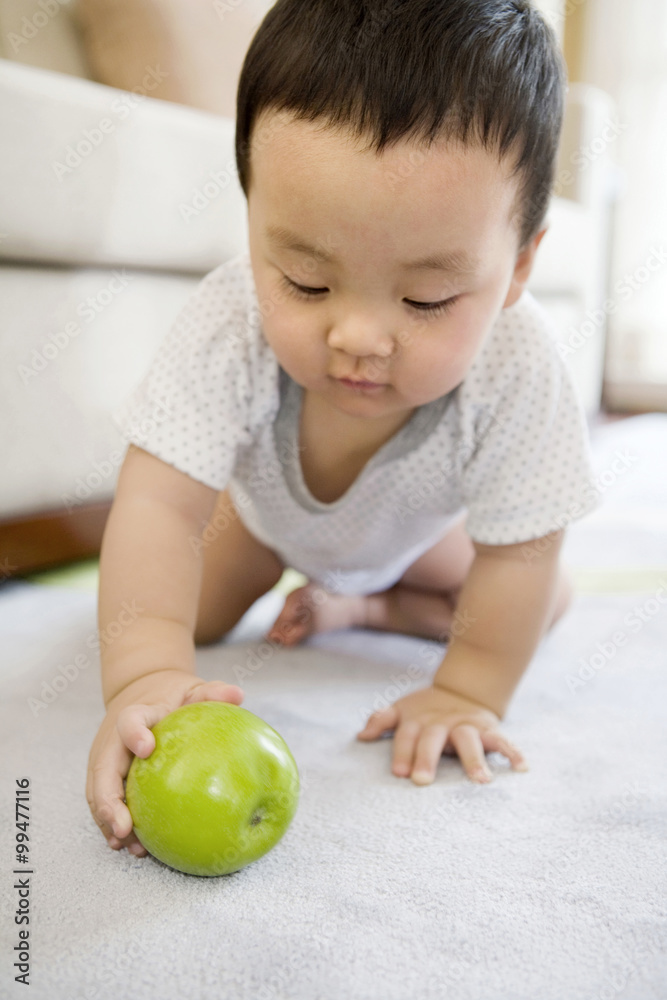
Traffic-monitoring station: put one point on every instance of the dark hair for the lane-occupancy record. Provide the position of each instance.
(487, 71)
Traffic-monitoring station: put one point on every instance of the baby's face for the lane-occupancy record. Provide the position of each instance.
(365, 219)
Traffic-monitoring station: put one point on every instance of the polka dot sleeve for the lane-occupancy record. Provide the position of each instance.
(527, 469)
(191, 408)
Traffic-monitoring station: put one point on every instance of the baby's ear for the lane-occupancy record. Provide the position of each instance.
(522, 269)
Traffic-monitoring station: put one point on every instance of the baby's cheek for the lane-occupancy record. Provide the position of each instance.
(448, 362)
(288, 342)
(468, 332)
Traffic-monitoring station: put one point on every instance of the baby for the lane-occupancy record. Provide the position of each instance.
(369, 394)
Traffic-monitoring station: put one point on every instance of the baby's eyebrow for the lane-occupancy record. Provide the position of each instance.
(454, 261)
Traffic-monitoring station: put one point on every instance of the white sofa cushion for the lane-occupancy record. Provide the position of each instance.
(74, 343)
(94, 175)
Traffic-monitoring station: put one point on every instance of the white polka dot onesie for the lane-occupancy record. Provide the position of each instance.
(508, 446)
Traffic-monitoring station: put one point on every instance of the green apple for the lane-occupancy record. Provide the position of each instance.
(218, 791)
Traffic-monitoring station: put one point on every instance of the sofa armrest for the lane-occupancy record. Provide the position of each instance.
(97, 176)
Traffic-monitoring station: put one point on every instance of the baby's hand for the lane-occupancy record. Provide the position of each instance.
(125, 732)
(434, 720)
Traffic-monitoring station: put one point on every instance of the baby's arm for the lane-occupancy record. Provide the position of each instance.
(502, 612)
(150, 576)
(503, 609)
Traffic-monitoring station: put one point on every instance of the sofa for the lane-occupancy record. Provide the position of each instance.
(113, 205)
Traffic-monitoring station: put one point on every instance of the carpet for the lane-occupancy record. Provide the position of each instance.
(547, 885)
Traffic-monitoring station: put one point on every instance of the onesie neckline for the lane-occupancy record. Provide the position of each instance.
(420, 425)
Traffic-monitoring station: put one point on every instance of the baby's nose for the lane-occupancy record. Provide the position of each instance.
(362, 340)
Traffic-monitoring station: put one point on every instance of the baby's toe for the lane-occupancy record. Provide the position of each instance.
(293, 623)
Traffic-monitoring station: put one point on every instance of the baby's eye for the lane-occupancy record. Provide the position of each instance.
(435, 308)
(301, 290)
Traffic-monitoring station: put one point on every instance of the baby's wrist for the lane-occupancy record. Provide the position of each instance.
(469, 694)
(140, 688)
(483, 681)
(148, 646)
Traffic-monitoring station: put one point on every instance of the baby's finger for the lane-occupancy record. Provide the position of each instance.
(378, 722)
(133, 845)
(135, 722)
(114, 820)
(405, 741)
(134, 726)
(467, 742)
(494, 740)
(106, 792)
(429, 752)
(215, 691)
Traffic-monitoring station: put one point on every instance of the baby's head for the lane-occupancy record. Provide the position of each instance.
(372, 134)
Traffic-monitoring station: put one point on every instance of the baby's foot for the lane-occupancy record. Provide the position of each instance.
(311, 609)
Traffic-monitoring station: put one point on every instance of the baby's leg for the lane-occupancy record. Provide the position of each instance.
(237, 571)
(422, 603)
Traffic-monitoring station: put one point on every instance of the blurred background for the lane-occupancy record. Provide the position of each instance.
(118, 192)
